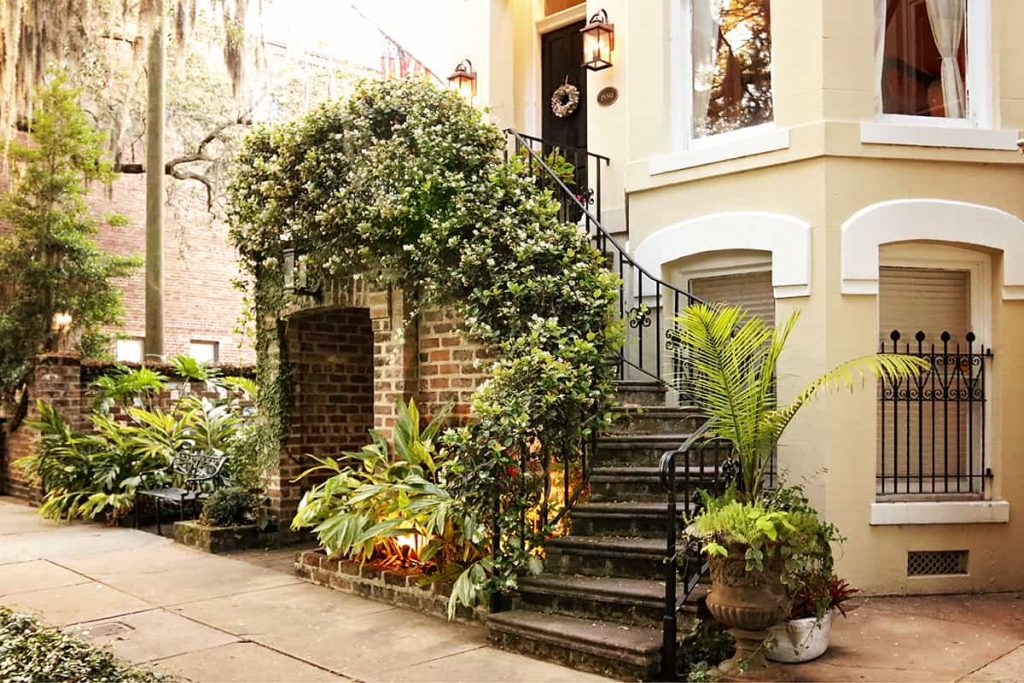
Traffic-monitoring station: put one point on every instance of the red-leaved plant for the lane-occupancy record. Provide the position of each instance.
(818, 595)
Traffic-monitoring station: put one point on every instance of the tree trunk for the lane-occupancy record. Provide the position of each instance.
(154, 342)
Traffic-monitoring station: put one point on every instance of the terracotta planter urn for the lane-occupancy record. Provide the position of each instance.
(747, 603)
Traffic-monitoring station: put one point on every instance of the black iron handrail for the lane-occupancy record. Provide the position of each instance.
(693, 566)
(646, 293)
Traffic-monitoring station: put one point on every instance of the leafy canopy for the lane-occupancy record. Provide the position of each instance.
(404, 184)
(50, 260)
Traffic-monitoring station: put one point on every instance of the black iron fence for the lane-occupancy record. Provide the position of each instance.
(932, 428)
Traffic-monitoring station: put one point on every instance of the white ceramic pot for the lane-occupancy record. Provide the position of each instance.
(799, 640)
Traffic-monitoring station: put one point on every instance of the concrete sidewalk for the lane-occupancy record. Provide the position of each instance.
(208, 618)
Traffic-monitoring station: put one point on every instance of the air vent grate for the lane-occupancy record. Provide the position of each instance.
(936, 562)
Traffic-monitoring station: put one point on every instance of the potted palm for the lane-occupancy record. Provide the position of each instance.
(731, 359)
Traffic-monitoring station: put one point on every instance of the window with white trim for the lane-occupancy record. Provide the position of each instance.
(933, 60)
(932, 303)
(730, 59)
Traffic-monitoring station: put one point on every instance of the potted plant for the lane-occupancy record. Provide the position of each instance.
(805, 634)
(730, 360)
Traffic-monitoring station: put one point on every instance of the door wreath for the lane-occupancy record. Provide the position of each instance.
(564, 100)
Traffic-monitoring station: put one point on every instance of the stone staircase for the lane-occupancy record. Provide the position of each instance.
(599, 603)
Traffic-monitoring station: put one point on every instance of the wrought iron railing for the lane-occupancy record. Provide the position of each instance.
(647, 304)
(704, 465)
(932, 428)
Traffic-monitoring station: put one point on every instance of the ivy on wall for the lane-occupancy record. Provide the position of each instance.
(405, 183)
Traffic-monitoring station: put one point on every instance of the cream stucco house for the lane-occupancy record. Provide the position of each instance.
(855, 160)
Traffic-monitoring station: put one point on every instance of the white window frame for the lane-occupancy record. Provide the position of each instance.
(686, 150)
(142, 349)
(976, 129)
(894, 509)
(213, 343)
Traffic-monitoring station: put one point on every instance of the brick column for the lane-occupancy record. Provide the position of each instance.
(395, 367)
(57, 379)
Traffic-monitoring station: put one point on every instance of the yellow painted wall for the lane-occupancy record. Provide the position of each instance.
(823, 82)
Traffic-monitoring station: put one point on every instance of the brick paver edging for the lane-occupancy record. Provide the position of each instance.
(392, 587)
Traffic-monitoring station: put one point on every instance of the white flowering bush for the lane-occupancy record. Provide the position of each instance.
(405, 183)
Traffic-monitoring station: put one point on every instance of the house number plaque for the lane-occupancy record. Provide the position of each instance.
(607, 96)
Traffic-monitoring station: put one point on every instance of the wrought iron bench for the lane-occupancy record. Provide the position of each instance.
(196, 468)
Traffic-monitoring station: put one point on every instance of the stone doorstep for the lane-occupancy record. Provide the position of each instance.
(387, 586)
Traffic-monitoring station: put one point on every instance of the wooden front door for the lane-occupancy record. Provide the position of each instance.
(561, 62)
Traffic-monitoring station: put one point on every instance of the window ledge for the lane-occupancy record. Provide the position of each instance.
(949, 512)
(924, 135)
(711, 150)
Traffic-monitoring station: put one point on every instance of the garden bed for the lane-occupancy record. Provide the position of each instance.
(401, 588)
(226, 539)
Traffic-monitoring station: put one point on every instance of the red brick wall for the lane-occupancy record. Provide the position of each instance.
(57, 380)
(199, 264)
(450, 368)
(331, 357)
(64, 381)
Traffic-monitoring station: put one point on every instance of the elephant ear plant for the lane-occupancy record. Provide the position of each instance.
(755, 543)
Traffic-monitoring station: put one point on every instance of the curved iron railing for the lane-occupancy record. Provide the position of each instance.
(645, 301)
(646, 307)
(702, 464)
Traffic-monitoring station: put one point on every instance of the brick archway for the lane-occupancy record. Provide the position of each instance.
(331, 356)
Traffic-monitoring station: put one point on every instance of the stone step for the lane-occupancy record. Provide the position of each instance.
(600, 647)
(622, 519)
(641, 392)
(643, 484)
(643, 450)
(636, 558)
(656, 420)
(626, 601)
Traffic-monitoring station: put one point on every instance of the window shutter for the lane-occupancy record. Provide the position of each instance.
(753, 291)
(927, 299)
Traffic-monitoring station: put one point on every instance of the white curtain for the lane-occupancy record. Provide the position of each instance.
(705, 53)
(947, 19)
(880, 15)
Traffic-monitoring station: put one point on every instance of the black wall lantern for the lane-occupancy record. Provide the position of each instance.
(296, 274)
(463, 79)
(598, 42)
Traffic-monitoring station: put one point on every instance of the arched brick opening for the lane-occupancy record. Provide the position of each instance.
(330, 353)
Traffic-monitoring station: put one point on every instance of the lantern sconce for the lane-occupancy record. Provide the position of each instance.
(61, 327)
(296, 275)
(463, 79)
(598, 42)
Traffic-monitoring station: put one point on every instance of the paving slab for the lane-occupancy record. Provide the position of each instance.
(71, 540)
(34, 575)
(884, 641)
(242, 663)
(344, 633)
(191, 584)
(151, 635)
(65, 605)
(1009, 668)
(156, 558)
(486, 664)
(19, 518)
